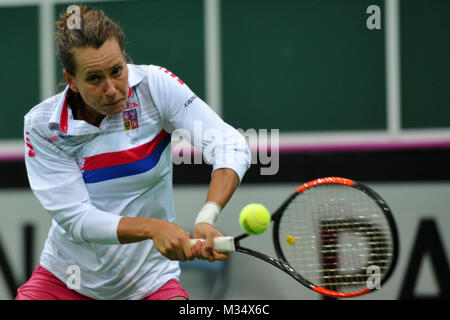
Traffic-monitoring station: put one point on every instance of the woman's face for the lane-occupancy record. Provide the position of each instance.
(101, 77)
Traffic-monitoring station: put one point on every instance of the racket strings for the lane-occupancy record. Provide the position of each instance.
(358, 227)
(339, 232)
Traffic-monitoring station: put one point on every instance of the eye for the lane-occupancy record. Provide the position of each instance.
(93, 79)
(117, 71)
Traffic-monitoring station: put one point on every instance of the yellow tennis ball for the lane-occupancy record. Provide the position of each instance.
(254, 218)
(290, 240)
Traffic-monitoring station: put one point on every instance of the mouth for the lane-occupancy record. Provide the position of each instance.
(115, 103)
(115, 107)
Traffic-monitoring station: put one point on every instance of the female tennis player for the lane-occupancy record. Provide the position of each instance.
(98, 158)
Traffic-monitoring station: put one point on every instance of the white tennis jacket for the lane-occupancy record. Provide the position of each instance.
(89, 177)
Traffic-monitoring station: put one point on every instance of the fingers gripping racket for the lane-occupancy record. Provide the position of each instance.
(333, 235)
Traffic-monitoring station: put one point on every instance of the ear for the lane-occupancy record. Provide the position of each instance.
(70, 81)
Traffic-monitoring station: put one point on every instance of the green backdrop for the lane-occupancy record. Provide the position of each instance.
(292, 65)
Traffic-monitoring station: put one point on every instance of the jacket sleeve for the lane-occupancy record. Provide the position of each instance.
(185, 113)
(57, 182)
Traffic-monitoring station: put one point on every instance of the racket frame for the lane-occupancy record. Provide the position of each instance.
(282, 262)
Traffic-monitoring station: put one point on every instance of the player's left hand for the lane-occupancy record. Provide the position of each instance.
(204, 249)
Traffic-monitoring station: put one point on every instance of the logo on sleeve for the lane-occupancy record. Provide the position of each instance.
(31, 152)
(191, 99)
(171, 74)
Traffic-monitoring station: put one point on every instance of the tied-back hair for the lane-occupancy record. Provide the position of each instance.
(93, 29)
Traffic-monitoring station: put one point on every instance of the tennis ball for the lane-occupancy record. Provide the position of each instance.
(290, 240)
(254, 218)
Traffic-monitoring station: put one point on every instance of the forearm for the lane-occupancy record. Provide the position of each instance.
(169, 239)
(223, 183)
(136, 229)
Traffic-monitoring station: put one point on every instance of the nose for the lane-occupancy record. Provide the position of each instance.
(110, 89)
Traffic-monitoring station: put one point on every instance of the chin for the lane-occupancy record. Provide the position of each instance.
(112, 111)
(116, 111)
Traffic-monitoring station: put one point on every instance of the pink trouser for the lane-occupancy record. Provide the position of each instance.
(43, 285)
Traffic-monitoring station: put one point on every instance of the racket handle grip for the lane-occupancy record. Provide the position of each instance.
(221, 244)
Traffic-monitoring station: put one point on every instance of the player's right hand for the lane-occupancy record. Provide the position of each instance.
(204, 249)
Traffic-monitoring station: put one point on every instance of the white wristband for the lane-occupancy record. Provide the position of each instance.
(209, 213)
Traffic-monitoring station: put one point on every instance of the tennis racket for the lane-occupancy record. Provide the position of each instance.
(335, 236)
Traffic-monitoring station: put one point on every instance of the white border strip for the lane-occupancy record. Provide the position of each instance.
(21, 3)
(392, 65)
(213, 72)
(364, 140)
(14, 149)
(47, 50)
